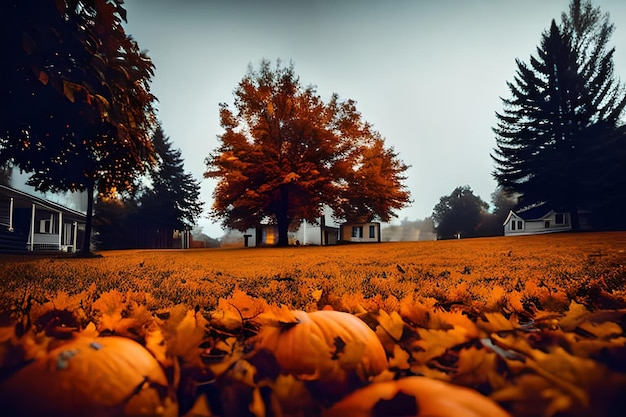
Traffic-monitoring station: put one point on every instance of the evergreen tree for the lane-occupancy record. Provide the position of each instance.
(552, 134)
(5, 175)
(286, 154)
(172, 202)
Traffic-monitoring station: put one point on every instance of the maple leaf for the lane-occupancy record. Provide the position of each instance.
(276, 316)
(459, 321)
(399, 358)
(388, 327)
(156, 344)
(230, 320)
(188, 336)
(434, 343)
(476, 366)
(392, 324)
(576, 314)
(494, 322)
(110, 306)
(247, 306)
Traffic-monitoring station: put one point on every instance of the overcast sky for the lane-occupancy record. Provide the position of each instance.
(427, 74)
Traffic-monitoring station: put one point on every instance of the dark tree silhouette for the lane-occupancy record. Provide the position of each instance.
(459, 214)
(285, 154)
(77, 109)
(491, 223)
(553, 133)
(5, 175)
(172, 202)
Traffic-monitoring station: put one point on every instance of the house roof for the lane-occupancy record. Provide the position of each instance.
(534, 211)
(25, 198)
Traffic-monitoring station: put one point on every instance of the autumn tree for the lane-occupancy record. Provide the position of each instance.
(556, 134)
(77, 109)
(285, 154)
(459, 214)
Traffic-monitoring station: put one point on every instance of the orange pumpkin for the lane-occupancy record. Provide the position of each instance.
(325, 345)
(415, 396)
(90, 376)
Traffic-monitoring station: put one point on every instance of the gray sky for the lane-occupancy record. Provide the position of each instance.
(427, 74)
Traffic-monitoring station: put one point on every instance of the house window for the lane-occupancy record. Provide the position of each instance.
(559, 218)
(45, 226)
(519, 225)
(372, 232)
(516, 225)
(357, 231)
(546, 224)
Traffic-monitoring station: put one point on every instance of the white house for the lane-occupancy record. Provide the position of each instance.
(326, 232)
(536, 219)
(31, 223)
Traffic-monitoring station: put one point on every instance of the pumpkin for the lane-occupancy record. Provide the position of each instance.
(90, 376)
(324, 345)
(415, 396)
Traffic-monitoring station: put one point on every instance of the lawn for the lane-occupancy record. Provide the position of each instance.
(534, 324)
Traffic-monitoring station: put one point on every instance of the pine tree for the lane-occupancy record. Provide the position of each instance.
(172, 202)
(563, 106)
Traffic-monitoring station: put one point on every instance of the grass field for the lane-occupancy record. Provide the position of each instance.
(535, 322)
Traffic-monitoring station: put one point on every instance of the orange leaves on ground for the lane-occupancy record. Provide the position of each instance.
(119, 314)
(187, 337)
(535, 324)
(245, 306)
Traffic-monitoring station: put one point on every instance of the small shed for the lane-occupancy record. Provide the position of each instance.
(31, 223)
(360, 232)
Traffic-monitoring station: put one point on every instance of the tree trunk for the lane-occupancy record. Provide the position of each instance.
(86, 246)
(573, 215)
(572, 205)
(282, 218)
(283, 232)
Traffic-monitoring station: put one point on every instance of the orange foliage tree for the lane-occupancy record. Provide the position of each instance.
(285, 155)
